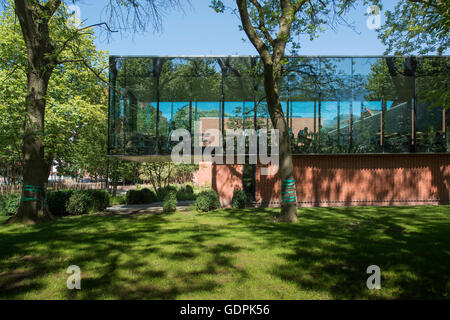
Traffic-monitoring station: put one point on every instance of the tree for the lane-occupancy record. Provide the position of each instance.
(162, 174)
(39, 21)
(75, 121)
(416, 26)
(271, 26)
(423, 27)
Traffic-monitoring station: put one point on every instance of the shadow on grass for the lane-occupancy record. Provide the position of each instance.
(331, 249)
(117, 253)
(168, 256)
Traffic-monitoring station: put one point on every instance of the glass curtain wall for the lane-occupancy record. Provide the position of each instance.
(332, 105)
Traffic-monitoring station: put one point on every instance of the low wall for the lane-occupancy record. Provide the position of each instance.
(350, 180)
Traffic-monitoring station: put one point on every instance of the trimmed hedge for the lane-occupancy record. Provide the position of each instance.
(144, 196)
(147, 196)
(87, 201)
(62, 202)
(239, 199)
(185, 193)
(207, 201)
(9, 204)
(57, 202)
(162, 192)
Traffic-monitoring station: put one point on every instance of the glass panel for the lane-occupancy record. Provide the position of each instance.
(331, 105)
(431, 77)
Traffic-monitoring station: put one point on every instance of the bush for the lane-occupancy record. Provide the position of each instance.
(133, 197)
(186, 193)
(147, 196)
(9, 204)
(88, 201)
(239, 199)
(207, 201)
(117, 200)
(144, 196)
(170, 202)
(162, 192)
(57, 202)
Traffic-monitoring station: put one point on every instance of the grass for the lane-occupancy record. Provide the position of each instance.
(232, 254)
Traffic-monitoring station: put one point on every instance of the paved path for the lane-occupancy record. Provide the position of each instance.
(127, 209)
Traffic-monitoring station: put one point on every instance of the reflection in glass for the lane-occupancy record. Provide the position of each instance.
(331, 104)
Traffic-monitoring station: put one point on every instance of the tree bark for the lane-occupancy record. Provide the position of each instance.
(272, 74)
(34, 21)
(286, 169)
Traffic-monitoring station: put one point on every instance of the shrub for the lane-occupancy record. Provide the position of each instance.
(101, 199)
(57, 202)
(79, 203)
(170, 202)
(87, 201)
(9, 204)
(162, 192)
(117, 200)
(207, 201)
(144, 196)
(133, 197)
(147, 196)
(239, 199)
(186, 193)
(189, 189)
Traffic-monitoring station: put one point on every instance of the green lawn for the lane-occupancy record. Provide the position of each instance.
(232, 254)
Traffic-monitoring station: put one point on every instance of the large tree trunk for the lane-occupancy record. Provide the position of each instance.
(33, 208)
(34, 21)
(288, 208)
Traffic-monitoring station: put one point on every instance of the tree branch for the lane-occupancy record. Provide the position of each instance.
(262, 23)
(51, 6)
(251, 33)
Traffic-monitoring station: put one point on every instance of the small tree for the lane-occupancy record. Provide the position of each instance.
(271, 26)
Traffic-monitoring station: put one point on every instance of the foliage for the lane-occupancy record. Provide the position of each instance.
(162, 192)
(88, 201)
(387, 80)
(75, 117)
(9, 204)
(133, 197)
(186, 193)
(170, 202)
(143, 196)
(207, 201)
(117, 200)
(58, 201)
(418, 26)
(148, 196)
(239, 199)
(162, 174)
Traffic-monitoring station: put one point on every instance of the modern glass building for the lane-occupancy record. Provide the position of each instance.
(333, 105)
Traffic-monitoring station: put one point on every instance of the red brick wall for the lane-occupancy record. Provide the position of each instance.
(204, 174)
(225, 178)
(352, 180)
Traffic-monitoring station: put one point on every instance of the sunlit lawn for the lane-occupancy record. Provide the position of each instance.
(232, 254)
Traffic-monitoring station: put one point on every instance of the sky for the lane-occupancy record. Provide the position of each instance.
(198, 30)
